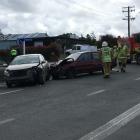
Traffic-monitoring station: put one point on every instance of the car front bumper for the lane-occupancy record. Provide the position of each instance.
(29, 76)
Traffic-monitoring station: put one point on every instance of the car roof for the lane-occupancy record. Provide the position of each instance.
(30, 55)
(86, 52)
(77, 54)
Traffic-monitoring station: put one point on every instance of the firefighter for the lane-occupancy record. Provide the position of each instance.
(106, 59)
(115, 57)
(122, 55)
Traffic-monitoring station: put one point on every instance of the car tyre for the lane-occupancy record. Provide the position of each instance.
(55, 77)
(138, 59)
(48, 75)
(42, 78)
(90, 73)
(9, 85)
(102, 71)
(71, 74)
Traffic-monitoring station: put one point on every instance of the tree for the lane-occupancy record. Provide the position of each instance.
(111, 40)
(90, 40)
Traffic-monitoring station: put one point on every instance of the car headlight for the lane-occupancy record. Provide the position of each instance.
(6, 73)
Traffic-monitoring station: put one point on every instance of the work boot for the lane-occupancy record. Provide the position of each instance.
(106, 76)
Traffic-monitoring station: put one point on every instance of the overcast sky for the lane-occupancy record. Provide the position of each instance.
(62, 16)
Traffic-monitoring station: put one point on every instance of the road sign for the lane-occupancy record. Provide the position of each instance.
(22, 42)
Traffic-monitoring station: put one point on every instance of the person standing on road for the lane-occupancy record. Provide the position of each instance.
(106, 55)
(115, 57)
(122, 55)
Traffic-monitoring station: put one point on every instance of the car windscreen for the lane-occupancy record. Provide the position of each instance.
(74, 56)
(25, 60)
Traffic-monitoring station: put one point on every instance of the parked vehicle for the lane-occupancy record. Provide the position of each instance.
(81, 48)
(3, 65)
(27, 68)
(81, 62)
(134, 48)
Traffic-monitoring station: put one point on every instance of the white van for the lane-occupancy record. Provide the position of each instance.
(81, 48)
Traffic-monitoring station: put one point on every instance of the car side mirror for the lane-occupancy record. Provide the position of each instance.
(71, 60)
(43, 62)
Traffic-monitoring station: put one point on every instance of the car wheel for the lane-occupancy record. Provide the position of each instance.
(71, 74)
(90, 73)
(55, 77)
(102, 71)
(48, 75)
(42, 78)
(9, 85)
(138, 60)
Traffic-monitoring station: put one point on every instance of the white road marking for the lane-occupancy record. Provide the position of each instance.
(137, 79)
(113, 125)
(96, 92)
(6, 121)
(13, 91)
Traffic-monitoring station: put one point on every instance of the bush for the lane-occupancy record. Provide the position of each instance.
(51, 52)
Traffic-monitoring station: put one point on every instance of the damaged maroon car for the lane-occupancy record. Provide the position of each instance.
(77, 63)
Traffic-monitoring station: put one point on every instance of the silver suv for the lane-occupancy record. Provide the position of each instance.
(27, 68)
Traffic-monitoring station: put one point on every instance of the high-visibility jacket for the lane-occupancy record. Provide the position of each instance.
(122, 52)
(115, 53)
(106, 54)
(13, 52)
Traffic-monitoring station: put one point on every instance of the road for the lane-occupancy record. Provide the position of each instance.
(86, 108)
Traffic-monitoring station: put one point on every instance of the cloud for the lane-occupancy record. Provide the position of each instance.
(19, 5)
(60, 16)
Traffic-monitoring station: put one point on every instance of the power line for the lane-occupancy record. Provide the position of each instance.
(89, 9)
(128, 10)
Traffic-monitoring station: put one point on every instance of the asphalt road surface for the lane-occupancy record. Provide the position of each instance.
(86, 108)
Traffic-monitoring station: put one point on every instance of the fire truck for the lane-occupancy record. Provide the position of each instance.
(134, 48)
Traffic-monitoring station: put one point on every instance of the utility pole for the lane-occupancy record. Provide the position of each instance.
(128, 10)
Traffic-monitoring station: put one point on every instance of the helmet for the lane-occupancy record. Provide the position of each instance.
(104, 44)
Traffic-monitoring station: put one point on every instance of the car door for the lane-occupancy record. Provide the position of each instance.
(44, 64)
(96, 61)
(83, 63)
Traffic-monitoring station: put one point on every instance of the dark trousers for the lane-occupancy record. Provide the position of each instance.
(107, 68)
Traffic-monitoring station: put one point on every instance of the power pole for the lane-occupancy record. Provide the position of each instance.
(128, 10)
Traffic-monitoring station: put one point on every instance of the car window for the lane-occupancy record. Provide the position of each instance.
(42, 58)
(85, 57)
(78, 47)
(74, 56)
(25, 59)
(74, 47)
(95, 56)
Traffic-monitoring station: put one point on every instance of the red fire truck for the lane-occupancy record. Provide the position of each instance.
(134, 45)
